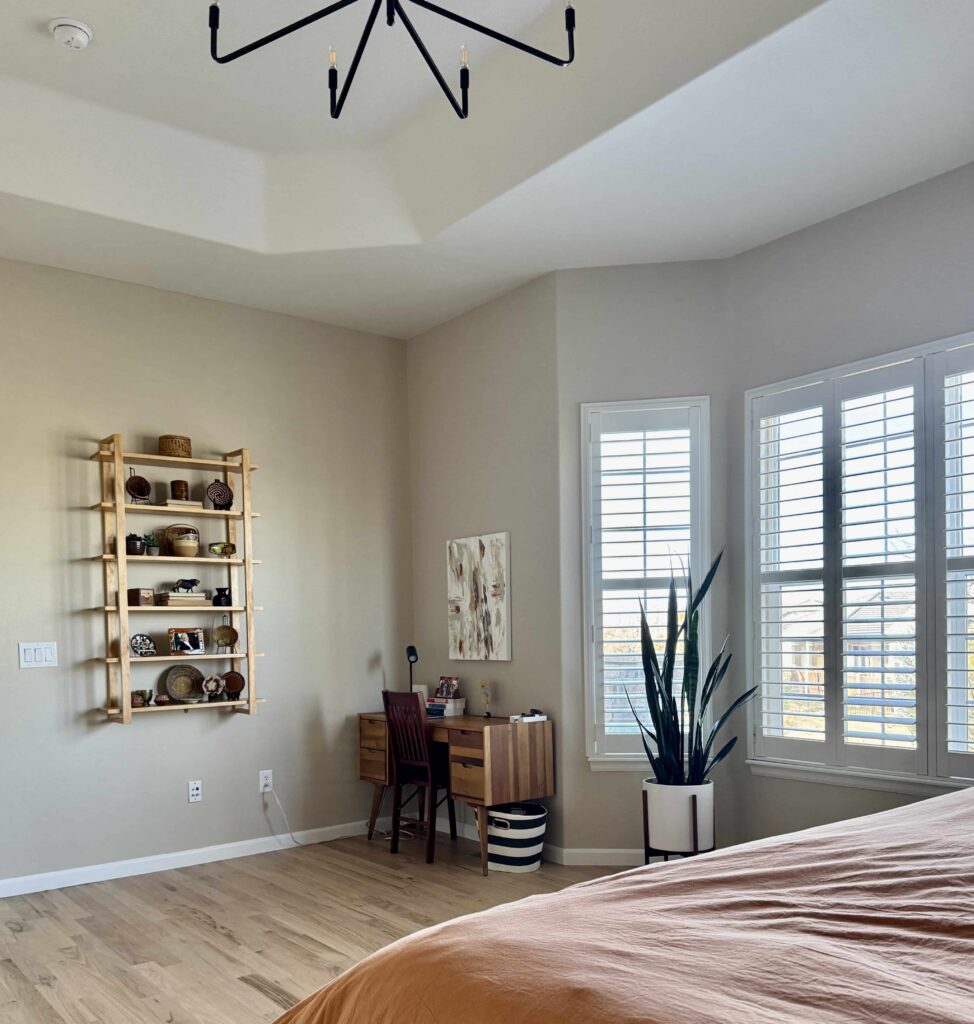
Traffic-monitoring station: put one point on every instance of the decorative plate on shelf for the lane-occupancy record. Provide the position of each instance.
(225, 635)
(221, 495)
(235, 684)
(143, 646)
(138, 488)
(184, 684)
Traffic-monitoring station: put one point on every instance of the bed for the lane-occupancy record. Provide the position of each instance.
(864, 920)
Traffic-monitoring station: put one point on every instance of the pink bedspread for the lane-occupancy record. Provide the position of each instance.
(865, 920)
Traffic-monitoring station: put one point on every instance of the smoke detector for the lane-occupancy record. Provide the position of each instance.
(75, 35)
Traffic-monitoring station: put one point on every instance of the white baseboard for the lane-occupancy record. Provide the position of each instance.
(168, 861)
(581, 856)
(573, 857)
(63, 879)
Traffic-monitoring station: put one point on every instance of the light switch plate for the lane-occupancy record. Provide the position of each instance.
(38, 654)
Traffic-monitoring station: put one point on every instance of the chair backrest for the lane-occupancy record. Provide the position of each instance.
(408, 728)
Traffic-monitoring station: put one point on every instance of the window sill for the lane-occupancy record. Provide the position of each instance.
(619, 763)
(858, 778)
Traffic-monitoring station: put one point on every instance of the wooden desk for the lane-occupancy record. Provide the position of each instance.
(492, 761)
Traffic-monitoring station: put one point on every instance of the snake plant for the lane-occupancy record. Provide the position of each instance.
(674, 738)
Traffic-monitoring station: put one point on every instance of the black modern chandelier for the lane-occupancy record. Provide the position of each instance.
(394, 10)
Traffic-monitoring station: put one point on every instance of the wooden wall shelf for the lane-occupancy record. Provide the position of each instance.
(183, 657)
(184, 609)
(144, 459)
(223, 705)
(178, 512)
(212, 560)
(237, 527)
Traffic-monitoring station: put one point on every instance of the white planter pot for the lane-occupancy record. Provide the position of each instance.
(670, 816)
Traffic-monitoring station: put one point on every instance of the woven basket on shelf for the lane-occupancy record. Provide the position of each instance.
(182, 532)
(176, 446)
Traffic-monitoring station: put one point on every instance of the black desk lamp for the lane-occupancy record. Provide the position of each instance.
(412, 656)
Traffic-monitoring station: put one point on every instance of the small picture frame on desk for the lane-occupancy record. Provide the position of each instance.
(187, 640)
(449, 686)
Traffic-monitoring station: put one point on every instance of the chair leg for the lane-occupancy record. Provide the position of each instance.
(396, 817)
(482, 830)
(431, 826)
(452, 811)
(421, 804)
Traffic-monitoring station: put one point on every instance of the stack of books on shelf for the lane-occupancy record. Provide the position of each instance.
(445, 707)
(189, 600)
(183, 503)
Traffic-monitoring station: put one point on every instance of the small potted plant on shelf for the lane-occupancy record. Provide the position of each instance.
(151, 544)
(681, 759)
(134, 544)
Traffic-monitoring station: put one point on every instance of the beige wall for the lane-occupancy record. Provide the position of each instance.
(356, 516)
(895, 273)
(483, 422)
(324, 413)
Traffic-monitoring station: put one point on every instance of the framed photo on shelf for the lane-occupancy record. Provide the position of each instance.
(189, 641)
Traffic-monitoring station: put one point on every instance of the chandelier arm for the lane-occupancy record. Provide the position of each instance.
(516, 43)
(338, 102)
(273, 37)
(461, 107)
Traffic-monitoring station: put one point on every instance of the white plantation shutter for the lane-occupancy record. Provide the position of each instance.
(880, 442)
(643, 466)
(791, 503)
(861, 502)
(954, 514)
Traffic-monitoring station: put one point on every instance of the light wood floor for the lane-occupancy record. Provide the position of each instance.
(235, 942)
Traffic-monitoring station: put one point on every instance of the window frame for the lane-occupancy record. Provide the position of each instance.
(600, 757)
(935, 765)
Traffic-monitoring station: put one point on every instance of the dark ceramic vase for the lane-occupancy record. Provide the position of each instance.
(222, 598)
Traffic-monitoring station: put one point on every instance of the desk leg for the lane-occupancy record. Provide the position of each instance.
(482, 831)
(377, 795)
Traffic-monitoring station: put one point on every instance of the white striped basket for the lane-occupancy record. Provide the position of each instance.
(515, 836)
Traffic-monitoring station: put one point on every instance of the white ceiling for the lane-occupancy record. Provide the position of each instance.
(684, 131)
(151, 58)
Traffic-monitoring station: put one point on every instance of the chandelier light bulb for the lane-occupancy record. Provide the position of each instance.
(464, 56)
(332, 57)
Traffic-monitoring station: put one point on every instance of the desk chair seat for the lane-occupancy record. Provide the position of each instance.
(416, 762)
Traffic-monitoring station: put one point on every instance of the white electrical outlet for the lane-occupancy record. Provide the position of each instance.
(265, 779)
(195, 788)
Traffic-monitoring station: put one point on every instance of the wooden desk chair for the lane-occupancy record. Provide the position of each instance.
(416, 762)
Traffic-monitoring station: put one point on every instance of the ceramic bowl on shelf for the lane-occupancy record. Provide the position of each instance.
(223, 549)
(183, 540)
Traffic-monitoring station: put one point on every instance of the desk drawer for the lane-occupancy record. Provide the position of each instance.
(372, 765)
(467, 777)
(372, 734)
(467, 742)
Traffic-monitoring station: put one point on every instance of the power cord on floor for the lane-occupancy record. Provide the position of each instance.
(403, 833)
(287, 824)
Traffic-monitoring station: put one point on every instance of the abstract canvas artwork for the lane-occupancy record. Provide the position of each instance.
(479, 597)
